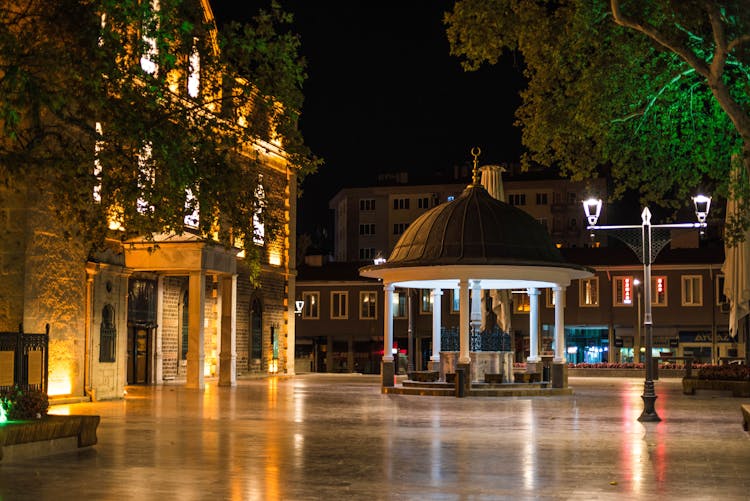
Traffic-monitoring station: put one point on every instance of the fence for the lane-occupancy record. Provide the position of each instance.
(24, 359)
(491, 340)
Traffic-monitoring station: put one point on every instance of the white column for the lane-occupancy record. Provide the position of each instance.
(159, 357)
(463, 310)
(196, 326)
(559, 324)
(533, 325)
(476, 304)
(388, 324)
(436, 317)
(228, 329)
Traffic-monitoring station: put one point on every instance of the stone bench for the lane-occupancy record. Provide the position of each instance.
(527, 377)
(745, 416)
(738, 388)
(50, 435)
(494, 378)
(424, 376)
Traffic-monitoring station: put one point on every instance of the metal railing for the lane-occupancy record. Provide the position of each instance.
(24, 359)
(489, 340)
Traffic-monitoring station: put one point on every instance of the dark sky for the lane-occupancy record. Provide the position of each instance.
(383, 94)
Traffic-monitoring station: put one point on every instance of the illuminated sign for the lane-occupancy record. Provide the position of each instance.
(627, 290)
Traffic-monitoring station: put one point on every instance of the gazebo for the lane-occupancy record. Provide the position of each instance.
(473, 243)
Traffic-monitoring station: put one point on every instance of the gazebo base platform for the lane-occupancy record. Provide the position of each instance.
(443, 389)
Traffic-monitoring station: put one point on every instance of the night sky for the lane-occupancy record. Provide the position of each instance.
(383, 94)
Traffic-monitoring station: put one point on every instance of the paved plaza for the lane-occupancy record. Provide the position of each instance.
(335, 437)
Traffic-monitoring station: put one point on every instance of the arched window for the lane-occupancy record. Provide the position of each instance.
(107, 335)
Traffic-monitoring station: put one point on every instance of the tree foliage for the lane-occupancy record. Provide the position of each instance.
(655, 94)
(161, 149)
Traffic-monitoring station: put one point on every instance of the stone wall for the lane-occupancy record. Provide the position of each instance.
(173, 290)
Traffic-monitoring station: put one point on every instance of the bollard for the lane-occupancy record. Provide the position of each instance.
(460, 383)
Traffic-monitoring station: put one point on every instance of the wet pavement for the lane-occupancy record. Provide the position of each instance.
(334, 437)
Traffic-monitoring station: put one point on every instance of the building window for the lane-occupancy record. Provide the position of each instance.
(108, 335)
(425, 301)
(366, 253)
(256, 330)
(659, 291)
(367, 229)
(399, 228)
(455, 300)
(692, 290)
(588, 292)
(367, 204)
(400, 203)
(572, 198)
(312, 301)
(517, 199)
(399, 304)
(551, 298)
(339, 305)
(521, 302)
(541, 199)
(367, 305)
(423, 203)
(622, 293)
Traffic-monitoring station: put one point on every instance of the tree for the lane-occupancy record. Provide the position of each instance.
(142, 112)
(653, 93)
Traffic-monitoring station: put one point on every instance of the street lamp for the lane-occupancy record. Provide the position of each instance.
(652, 240)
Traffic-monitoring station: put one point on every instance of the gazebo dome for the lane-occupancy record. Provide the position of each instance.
(475, 229)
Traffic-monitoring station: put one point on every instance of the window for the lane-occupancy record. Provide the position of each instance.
(659, 291)
(399, 228)
(400, 203)
(367, 229)
(423, 203)
(541, 199)
(259, 228)
(543, 222)
(339, 306)
(367, 204)
(399, 304)
(721, 298)
(425, 301)
(367, 305)
(312, 301)
(517, 199)
(622, 293)
(455, 300)
(551, 298)
(692, 290)
(151, 54)
(521, 303)
(572, 198)
(107, 335)
(588, 292)
(366, 253)
(573, 223)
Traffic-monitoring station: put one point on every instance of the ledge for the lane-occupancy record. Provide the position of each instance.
(53, 434)
(738, 388)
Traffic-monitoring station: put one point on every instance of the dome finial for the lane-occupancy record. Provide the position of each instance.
(475, 152)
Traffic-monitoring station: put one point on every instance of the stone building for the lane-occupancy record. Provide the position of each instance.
(149, 310)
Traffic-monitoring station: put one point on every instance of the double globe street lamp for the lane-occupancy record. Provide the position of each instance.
(652, 239)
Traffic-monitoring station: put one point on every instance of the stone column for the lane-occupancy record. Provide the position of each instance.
(559, 367)
(387, 368)
(533, 325)
(228, 354)
(463, 301)
(436, 295)
(196, 320)
(476, 304)
(158, 350)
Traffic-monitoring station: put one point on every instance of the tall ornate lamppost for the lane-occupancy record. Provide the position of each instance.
(652, 240)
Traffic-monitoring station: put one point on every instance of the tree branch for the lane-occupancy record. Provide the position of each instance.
(687, 55)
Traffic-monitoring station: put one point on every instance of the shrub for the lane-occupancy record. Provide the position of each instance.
(19, 403)
(725, 372)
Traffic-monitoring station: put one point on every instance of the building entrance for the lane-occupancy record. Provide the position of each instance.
(139, 341)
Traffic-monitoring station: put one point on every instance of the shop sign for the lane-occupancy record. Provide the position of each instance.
(704, 337)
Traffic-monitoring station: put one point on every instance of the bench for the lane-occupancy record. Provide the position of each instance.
(688, 363)
(527, 377)
(738, 388)
(745, 416)
(493, 378)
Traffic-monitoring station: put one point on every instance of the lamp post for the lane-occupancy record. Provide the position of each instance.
(652, 240)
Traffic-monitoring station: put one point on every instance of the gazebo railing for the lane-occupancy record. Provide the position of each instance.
(488, 340)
